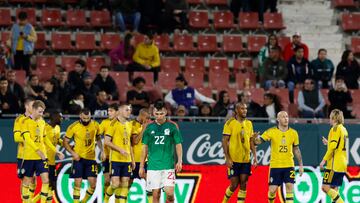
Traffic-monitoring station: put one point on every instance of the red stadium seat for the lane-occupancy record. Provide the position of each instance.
(325, 93)
(219, 65)
(85, 41)
(110, 41)
(355, 45)
(68, 62)
(194, 64)
(223, 20)
(51, 18)
(163, 42)
(216, 2)
(100, 18)
(195, 79)
(248, 20)
(94, 63)
(283, 94)
(356, 97)
(232, 43)
(183, 43)
(44, 74)
(206, 91)
(170, 64)
(121, 79)
(350, 21)
(207, 43)
(5, 19)
(232, 94)
(273, 21)
(167, 80)
(5, 36)
(31, 13)
(242, 63)
(343, 3)
(148, 76)
(255, 42)
(61, 41)
(21, 1)
(46, 63)
(194, 2)
(41, 41)
(75, 18)
(138, 38)
(241, 78)
(219, 80)
(21, 77)
(283, 41)
(257, 95)
(199, 19)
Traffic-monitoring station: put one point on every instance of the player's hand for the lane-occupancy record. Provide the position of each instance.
(142, 172)
(103, 156)
(178, 167)
(133, 165)
(75, 156)
(322, 163)
(60, 155)
(301, 170)
(41, 154)
(324, 140)
(255, 134)
(229, 163)
(123, 152)
(255, 162)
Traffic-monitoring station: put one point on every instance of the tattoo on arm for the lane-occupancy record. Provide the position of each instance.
(297, 154)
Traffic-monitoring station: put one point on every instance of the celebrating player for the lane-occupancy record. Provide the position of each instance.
(237, 146)
(85, 133)
(335, 157)
(117, 138)
(159, 141)
(284, 144)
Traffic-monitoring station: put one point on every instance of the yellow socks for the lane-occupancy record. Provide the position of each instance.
(117, 195)
(76, 195)
(228, 194)
(25, 193)
(241, 196)
(335, 196)
(149, 197)
(109, 192)
(124, 192)
(36, 198)
(49, 197)
(289, 197)
(89, 193)
(44, 192)
(271, 197)
(32, 188)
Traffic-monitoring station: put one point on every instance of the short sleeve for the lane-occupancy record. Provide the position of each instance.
(70, 132)
(24, 127)
(177, 136)
(227, 129)
(110, 130)
(266, 136)
(102, 127)
(335, 134)
(146, 138)
(296, 139)
(97, 128)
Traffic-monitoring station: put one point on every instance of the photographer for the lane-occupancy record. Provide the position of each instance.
(339, 97)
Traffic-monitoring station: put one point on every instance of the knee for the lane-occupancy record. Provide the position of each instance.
(233, 186)
(170, 197)
(156, 195)
(243, 185)
(325, 188)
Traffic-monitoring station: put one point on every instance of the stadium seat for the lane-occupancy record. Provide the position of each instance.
(51, 18)
(44, 74)
(257, 95)
(223, 20)
(198, 19)
(170, 64)
(219, 65)
(138, 38)
(350, 21)
(148, 76)
(75, 18)
(232, 43)
(248, 20)
(355, 45)
(355, 94)
(121, 79)
(242, 63)
(206, 91)
(241, 77)
(194, 64)
(218, 80)
(167, 80)
(343, 3)
(195, 79)
(61, 41)
(85, 41)
(283, 94)
(5, 19)
(4, 36)
(100, 18)
(325, 93)
(207, 43)
(31, 13)
(194, 2)
(41, 41)
(94, 63)
(163, 42)
(283, 41)
(255, 42)
(216, 2)
(273, 21)
(110, 41)
(21, 77)
(68, 62)
(46, 63)
(183, 43)
(232, 94)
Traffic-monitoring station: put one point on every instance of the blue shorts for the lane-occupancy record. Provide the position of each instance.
(333, 178)
(106, 166)
(84, 168)
(31, 167)
(20, 173)
(135, 172)
(238, 169)
(121, 169)
(278, 176)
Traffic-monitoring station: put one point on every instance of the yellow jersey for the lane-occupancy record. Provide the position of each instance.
(336, 149)
(239, 143)
(53, 134)
(282, 144)
(104, 125)
(84, 138)
(135, 131)
(17, 135)
(120, 134)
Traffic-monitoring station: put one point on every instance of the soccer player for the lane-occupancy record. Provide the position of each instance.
(237, 146)
(35, 159)
(85, 133)
(121, 155)
(104, 125)
(160, 139)
(20, 140)
(335, 157)
(284, 143)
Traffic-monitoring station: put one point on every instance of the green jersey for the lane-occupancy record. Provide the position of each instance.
(161, 141)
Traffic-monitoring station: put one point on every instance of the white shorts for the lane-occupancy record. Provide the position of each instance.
(157, 179)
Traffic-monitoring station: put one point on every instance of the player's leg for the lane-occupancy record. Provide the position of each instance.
(168, 181)
(334, 179)
(20, 174)
(289, 179)
(25, 189)
(114, 185)
(149, 194)
(106, 173)
(42, 168)
(77, 173)
(90, 190)
(52, 182)
(289, 198)
(245, 171)
(91, 171)
(76, 192)
(272, 193)
(123, 190)
(169, 191)
(32, 187)
(233, 175)
(153, 184)
(275, 180)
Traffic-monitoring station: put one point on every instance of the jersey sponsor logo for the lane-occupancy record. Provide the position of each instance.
(202, 148)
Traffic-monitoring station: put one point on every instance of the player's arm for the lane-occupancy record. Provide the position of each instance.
(108, 142)
(17, 131)
(66, 143)
(253, 151)
(101, 147)
(53, 148)
(256, 139)
(144, 153)
(132, 157)
(28, 141)
(225, 145)
(179, 154)
(297, 154)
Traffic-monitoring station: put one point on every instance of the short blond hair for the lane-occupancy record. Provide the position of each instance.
(337, 115)
(38, 103)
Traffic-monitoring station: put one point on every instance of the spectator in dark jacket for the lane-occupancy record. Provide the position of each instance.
(51, 96)
(310, 100)
(126, 12)
(63, 87)
(75, 104)
(151, 11)
(322, 69)
(272, 106)
(174, 15)
(106, 83)
(275, 70)
(76, 76)
(349, 69)
(122, 55)
(100, 106)
(137, 97)
(33, 88)
(289, 49)
(9, 103)
(223, 106)
(254, 109)
(15, 87)
(339, 97)
(89, 90)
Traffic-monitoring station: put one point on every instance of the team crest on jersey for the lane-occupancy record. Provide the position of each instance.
(87, 134)
(167, 131)
(283, 141)
(38, 131)
(152, 132)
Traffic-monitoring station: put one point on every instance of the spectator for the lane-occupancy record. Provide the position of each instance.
(63, 86)
(138, 98)
(349, 69)
(126, 12)
(186, 96)
(181, 112)
(76, 76)
(271, 4)
(100, 106)
(298, 69)
(89, 90)
(9, 103)
(276, 72)
(174, 15)
(223, 106)
(33, 88)
(122, 55)
(239, 5)
(289, 49)
(339, 97)
(106, 83)
(150, 13)
(311, 101)
(205, 111)
(22, 40)
(75, 104)
(146, 57)
(254, 109)
(14, 87)
(322, 69)
(265, 53)
(51, 96)
(272, 106)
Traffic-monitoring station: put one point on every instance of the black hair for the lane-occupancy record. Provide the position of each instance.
(345, 55)
(181, 78)
(32, 76)
(276, 48)
(114, 106)
(80, 62)
(221, 96)
(322, 49)
(276, 38)
(104, 67)
(22, 15)
(150, 35)
(85, 111)
(138, 80)
(297, 48)
(98, 92)
(276, 100)
(159, 105)
(3, 78)
(339, 78)
(128, 49)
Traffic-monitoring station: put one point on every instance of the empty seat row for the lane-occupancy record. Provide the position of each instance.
(208, 2)
(350, 21)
